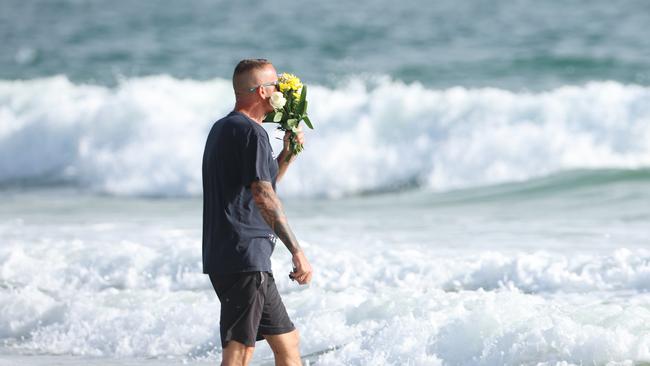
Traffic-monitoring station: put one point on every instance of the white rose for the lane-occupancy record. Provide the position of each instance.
(277, 100)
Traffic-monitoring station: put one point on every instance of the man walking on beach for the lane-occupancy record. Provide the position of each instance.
(242, 216)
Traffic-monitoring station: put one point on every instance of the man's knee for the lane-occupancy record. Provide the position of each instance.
(283, 344)
(286, 350)
(294, 337)
(236, 353)
(293, 340)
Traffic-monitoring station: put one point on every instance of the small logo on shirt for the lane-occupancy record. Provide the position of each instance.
(272, 238)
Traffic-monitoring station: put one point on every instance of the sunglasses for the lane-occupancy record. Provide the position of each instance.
(272, 83)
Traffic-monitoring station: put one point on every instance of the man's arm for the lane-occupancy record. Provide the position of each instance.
(271, 209)
(283, 164)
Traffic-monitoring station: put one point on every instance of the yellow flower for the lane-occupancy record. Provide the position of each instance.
(289, 82)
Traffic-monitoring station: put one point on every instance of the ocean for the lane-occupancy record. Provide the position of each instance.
(476, 190)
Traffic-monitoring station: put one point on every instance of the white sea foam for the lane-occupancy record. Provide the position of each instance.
(146, 135)
(132, 290)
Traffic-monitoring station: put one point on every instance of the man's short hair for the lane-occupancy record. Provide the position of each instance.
(243, 69)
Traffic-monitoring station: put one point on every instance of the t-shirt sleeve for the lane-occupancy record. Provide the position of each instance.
(256, 158)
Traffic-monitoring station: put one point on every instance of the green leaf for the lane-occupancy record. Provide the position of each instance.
(292, 122)
(304, 112)
(302, 103)
(308, 122)
(269, 117)
(277, 117)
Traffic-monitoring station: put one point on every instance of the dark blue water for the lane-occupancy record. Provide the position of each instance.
(508, 44)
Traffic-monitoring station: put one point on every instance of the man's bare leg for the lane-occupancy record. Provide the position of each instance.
(285, 348)
(236, 354)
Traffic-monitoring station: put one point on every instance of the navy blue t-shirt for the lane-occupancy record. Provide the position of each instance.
(235, 236)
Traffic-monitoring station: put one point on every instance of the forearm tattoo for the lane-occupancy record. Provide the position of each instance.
(271, 208)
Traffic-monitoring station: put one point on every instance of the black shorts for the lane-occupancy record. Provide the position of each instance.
(250, 307)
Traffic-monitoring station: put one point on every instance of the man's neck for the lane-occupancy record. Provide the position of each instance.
(251, 112)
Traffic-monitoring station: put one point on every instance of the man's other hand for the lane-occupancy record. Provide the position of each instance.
(302, 269)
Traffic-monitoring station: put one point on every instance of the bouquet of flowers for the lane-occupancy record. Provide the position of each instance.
(290, 108)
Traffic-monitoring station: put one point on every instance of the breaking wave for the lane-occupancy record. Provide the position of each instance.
(146, 135)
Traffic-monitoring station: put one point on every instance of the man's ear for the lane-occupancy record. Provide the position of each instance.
(262, 92)
(259, 91)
